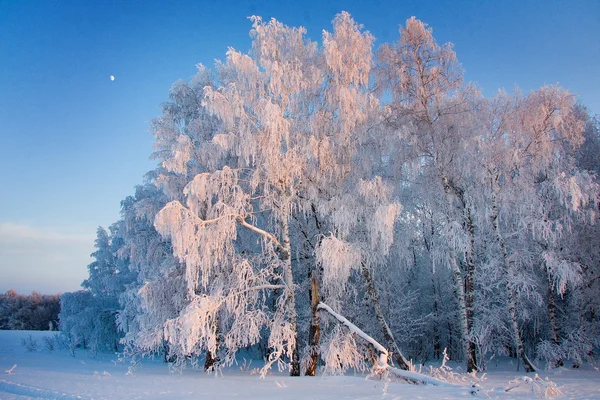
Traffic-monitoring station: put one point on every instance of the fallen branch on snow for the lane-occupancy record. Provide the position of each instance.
(382, 365)
(543, 388)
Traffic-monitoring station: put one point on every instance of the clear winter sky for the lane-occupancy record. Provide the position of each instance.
(73, 143)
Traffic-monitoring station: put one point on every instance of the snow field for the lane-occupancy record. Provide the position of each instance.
(44, 374)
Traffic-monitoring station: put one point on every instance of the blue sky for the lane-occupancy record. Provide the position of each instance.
(73, 143)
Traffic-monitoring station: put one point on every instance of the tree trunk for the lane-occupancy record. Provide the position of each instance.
(551, 305)
(315, 328)
(314, 334)
(512, 304)
(552, 312)
(512, 308)
(463, 316)
(437, 348)
(288, 277)
(212, 355)
(470, 291)
(402, 362)
(209, 363)
(465, 286)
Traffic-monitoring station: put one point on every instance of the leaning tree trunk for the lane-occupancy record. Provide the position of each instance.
(288, 277)
(402, 362)
(507, 269)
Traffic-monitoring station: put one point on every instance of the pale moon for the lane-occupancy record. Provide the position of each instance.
(112, 78)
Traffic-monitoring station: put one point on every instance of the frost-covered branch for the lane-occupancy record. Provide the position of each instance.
(354, 329)
(543, 388)
(262, 232)
(382, 361)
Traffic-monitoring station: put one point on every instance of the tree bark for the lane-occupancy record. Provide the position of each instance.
(463, 316)
(397, 355)
(209, 363)
(212, 355)
(512, 308)
(437, 348)
(314, 334)
(551, 305)
(315, 328)
(465, 285)
(470, 291)
(288, 277)
(552, 311)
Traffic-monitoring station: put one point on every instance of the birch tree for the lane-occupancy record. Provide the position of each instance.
(252, 183)
(527, 156)
(429, 105)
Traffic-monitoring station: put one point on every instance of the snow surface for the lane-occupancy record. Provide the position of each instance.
(45, 374)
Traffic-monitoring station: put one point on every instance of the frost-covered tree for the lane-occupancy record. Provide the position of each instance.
(76, 317)
(287, 150)
(156, 294)
(88, 317)
(588, 155)
(534, 196)
(430, 109)
(302, 187)
(159, 293)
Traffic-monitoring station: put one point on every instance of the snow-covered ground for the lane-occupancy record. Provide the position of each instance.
(57, 375)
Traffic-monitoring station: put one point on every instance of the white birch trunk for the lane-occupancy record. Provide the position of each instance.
(462, 311)
(315, 328)
(465, 285)
(291, 297)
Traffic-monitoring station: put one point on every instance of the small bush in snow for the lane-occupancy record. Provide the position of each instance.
(30, 343)
(65, 342)
(61, 341)
(446, 374)
(49, 342)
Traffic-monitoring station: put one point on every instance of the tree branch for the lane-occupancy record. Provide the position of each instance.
(266, 234)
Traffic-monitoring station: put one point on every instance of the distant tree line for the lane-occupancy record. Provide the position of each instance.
(34, 312)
